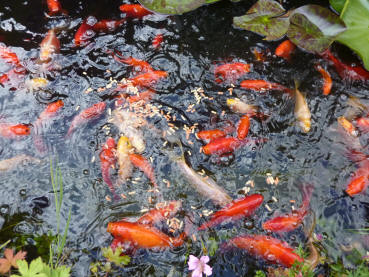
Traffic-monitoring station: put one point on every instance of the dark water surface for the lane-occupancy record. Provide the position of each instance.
(193, 44)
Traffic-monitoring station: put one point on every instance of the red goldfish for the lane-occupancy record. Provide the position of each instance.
(107, 161)
(85, 32)
(157, 215)
(14, 76)
(237, 209)
(143, 164)
(270, 249)
(51, 110)
(50, 45)
(12, 131)
(261, 85)
(221, 145)
(243, 127)
(327, 84)
(88, 114)
(230, 72)
(8, 56)
(291, 221)
(143, 236)
(139, 65)
(107, 25)
(142, 96)
(209, 135)
(285, 49)
(148, 79)
(345, 71)
(55, 7)
(363, 124)
(359, 182)
(134, 10)
(156, 42)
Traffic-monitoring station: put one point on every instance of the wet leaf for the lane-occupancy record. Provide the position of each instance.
(264, 18)
(356, 17)
(174, 6)
(34, 269)
(10, 260)
(337, 4)
(115, 256)
(314, 28)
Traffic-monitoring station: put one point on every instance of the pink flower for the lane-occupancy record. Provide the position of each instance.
(199, 266)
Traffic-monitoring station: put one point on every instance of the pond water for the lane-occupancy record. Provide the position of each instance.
(193, 45)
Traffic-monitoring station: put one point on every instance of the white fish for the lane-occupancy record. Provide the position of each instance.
(9, 164)
(125, 165)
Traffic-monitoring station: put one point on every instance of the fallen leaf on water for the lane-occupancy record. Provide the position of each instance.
(10, 260)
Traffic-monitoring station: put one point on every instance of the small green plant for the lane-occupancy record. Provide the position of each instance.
(260, 273)
(37, 268)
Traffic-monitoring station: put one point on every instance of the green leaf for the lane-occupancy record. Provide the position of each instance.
(115, 256)
(212, 246)
(34, 269)
(174, 6)
(264, 18)
(314, 28)
(356, 17)
(337, 4)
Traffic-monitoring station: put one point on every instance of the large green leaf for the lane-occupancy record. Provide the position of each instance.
(314, 28)
(356, 17)
(337, 4)
(174, 6)
(264, 18)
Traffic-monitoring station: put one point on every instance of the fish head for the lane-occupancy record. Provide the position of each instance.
(305, 125)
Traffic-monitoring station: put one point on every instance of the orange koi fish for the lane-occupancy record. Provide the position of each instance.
(268, 248)
(348, 126)
(209, 135)
(88, 114)
(12, 131)
(238, 209)
(346, 72)
(285, 49)
(291, 221)
(125, 165)
(157, 215)
(134, 10)
(51, 110)
(261, 85)
(156, 42)
(107, 25)
(148, 79)
(359, 182)
(55, 8)
(50, 45)
(14, 76)
(327, 85)
(143, 164)
(363, 124)
(143, 236)
(142, 96)
(107, 161)
(85, 32)
(243, 127)
(139, 65)
(230, 72)
(221, 146)
(8, 56)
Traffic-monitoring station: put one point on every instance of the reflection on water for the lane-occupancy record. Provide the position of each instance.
(188, 98)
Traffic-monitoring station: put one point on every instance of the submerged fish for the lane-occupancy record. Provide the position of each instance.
(50, 46)
(221, 146)
(144, 165)
(139, 65)
(327, 80)
(236, 210)
(156, 42)
(144, 96)
(9, 130)
(285, 49)
(209, 135)
(230, 72)
(270, 249)
(360, 180)
(85, 32)
(146, 80)
(8, 55)
(363, 124)
(143, 236)
(302, 112)
(12, 163)
(134, 10)
(291, 221)
(243, 127)
(262, 85)
(159, 214)
(107, 25)
(238, 106)
(348, 126)
(124, 148)
(55, 8)
(205, 186)
(86, 115)
(107, 161)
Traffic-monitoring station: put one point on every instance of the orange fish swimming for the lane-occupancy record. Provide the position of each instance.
(236, 210)
(360, 181)
(107, 25)
(51, 110)
(268, 248)
(230, 72)
(147, 80)
(8, 56)
(145, 96)
(291, 221)
(55, 8)
(50, 45)
(144, 165)
(348, 126)
(221, 146)
(143, 236)
(13, 77)
(209, 135)
(363, 124)
(327, 80)
(134, 10)
(285, 49)
(107, 161)
(262, 85)
(157, 41)
(86, 115)
(139, 65)
(8, 130)
(346, 72)
(159, 214)
(243, 127)
(85, 32)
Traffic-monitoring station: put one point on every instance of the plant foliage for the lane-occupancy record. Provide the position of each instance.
(174, 6)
